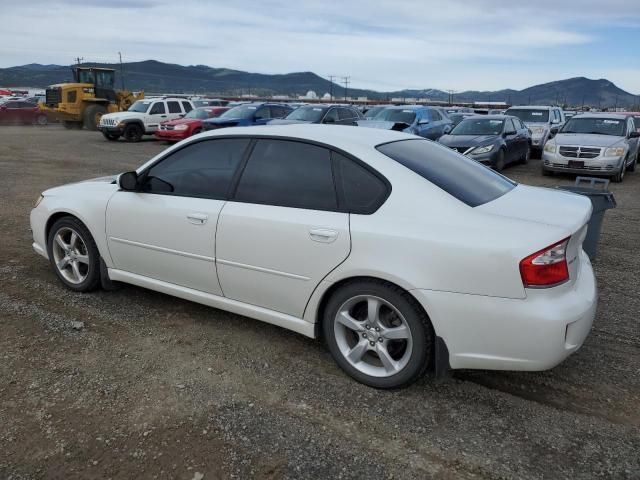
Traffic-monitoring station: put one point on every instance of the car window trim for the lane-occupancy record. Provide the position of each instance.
(142, 176)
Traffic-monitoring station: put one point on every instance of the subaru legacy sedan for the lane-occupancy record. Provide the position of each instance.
(600, 144)
(399, 253)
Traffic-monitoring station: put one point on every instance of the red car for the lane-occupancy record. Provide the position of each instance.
(15, 111)
(191, 124)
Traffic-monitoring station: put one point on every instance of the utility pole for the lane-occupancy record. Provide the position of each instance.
(346, 81)
(121, 70)
(615, 109)
(79, 60)
(450, 97)
(331, 77)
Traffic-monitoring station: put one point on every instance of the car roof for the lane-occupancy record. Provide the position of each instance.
(334, 135)
(532, 107)
(613, 116)
(490, 117)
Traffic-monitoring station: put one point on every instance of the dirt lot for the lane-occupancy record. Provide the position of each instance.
(157, 387)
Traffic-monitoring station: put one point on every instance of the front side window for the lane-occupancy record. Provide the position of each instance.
(202, 169)
(435, 115)
(241, 111)
(331, 116)
(200, 113)
(140, 106)
(157, 109)
(459, 176)
(509, 126)
(345, 114)
(262, 113)
(288, 174)
(187, 106)
(174, 107)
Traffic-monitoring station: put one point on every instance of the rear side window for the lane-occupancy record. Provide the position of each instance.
(187, 107)
(459, 176)
(174, 107)
(202, 169)
(345, 114)
(435, 115)
(361, 190)
(157, 109)
(288, 174)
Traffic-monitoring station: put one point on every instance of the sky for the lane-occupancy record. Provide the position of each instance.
(383, 45)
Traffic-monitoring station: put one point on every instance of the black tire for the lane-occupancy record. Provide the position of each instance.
(422, 336)
(632, 167)
(527, 155)
(619, 176)
(42, 119)
(499, 163)
(133, 132)
(92, 115)
(111, 136)
(92, 269)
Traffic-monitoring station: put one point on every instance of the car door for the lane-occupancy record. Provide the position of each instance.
(281, 233)
(433, 129)
(166, 230)
(345, 117)
(634, 143)
(174, 110)
(510, 135)
(157, 114)
(278, 111)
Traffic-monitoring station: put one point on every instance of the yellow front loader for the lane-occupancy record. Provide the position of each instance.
(91, 95)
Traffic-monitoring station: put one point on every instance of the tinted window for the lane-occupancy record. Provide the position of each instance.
(345, 114)
(332, 115)
(262, 112)
(509, 127)
(461, 177)
(174, 107)
(435, 115)
(279, 112)
(202, 169)
(289, 174)
(361, 190)
(397, 115)
(157, 109)
(187, 107)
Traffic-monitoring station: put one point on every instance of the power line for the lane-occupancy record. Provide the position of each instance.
(346, 81)
(79, 60)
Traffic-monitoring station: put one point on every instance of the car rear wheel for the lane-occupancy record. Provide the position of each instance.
(499, 163)
(378, 334)
(42, 120)
(133, 132)
(74, 255)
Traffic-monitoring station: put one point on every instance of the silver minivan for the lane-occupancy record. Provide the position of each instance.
(542, 121)
(597, 143)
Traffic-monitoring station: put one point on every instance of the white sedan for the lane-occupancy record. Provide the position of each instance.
(400, 253)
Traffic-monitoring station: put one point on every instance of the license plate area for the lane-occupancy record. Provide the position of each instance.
(576, 164)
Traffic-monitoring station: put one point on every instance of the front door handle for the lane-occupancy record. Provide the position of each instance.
(323, 235)
(197, 218)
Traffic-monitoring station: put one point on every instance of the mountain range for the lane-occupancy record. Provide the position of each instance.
(159, 77)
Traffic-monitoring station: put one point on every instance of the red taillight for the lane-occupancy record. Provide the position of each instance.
(546, 268)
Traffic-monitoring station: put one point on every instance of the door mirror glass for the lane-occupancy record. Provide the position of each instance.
(128, 181)
(634, 134)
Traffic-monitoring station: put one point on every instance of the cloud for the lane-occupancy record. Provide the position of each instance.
(382, 44)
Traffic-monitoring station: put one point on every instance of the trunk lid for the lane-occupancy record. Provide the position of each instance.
(546, 206)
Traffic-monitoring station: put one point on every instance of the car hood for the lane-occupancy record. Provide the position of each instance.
(108, 179)
(467, 140)
(228, 122)
(384, 125)
(181, 121)
(591, 140)
(123, 115)
(284, 121)
(93, 184)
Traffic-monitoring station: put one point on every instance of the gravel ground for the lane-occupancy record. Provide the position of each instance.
(150, 386)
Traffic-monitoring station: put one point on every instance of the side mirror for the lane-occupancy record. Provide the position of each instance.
(634, 134)
(553, 130)
(128, 181)
(555, 121)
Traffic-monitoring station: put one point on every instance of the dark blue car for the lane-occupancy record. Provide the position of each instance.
(247, 115)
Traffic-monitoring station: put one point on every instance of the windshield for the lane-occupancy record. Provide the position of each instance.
(478, 126)
(396, 115)
(307, 114)
(456, 118)
(241, 111)
(465, 179)
(200, 113)
(372, 112)
(597, 126)
(529, 115)
(140, 106)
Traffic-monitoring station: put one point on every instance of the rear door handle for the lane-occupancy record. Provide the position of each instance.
(197, 218)
(323, 235)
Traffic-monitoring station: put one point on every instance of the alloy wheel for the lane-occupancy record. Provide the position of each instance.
(70, 255)
(373, 336)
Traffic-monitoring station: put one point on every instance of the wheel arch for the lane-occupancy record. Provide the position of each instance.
(58, 214)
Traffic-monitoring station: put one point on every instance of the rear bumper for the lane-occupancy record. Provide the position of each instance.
(172, 135)
(535, 333)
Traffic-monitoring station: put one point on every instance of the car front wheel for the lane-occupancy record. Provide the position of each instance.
(74, 255)
(378, 334)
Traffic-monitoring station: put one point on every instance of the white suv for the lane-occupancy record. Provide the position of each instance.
(143, 118)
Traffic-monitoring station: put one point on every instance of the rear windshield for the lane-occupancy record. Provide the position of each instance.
(528, 115)
(459, 176)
